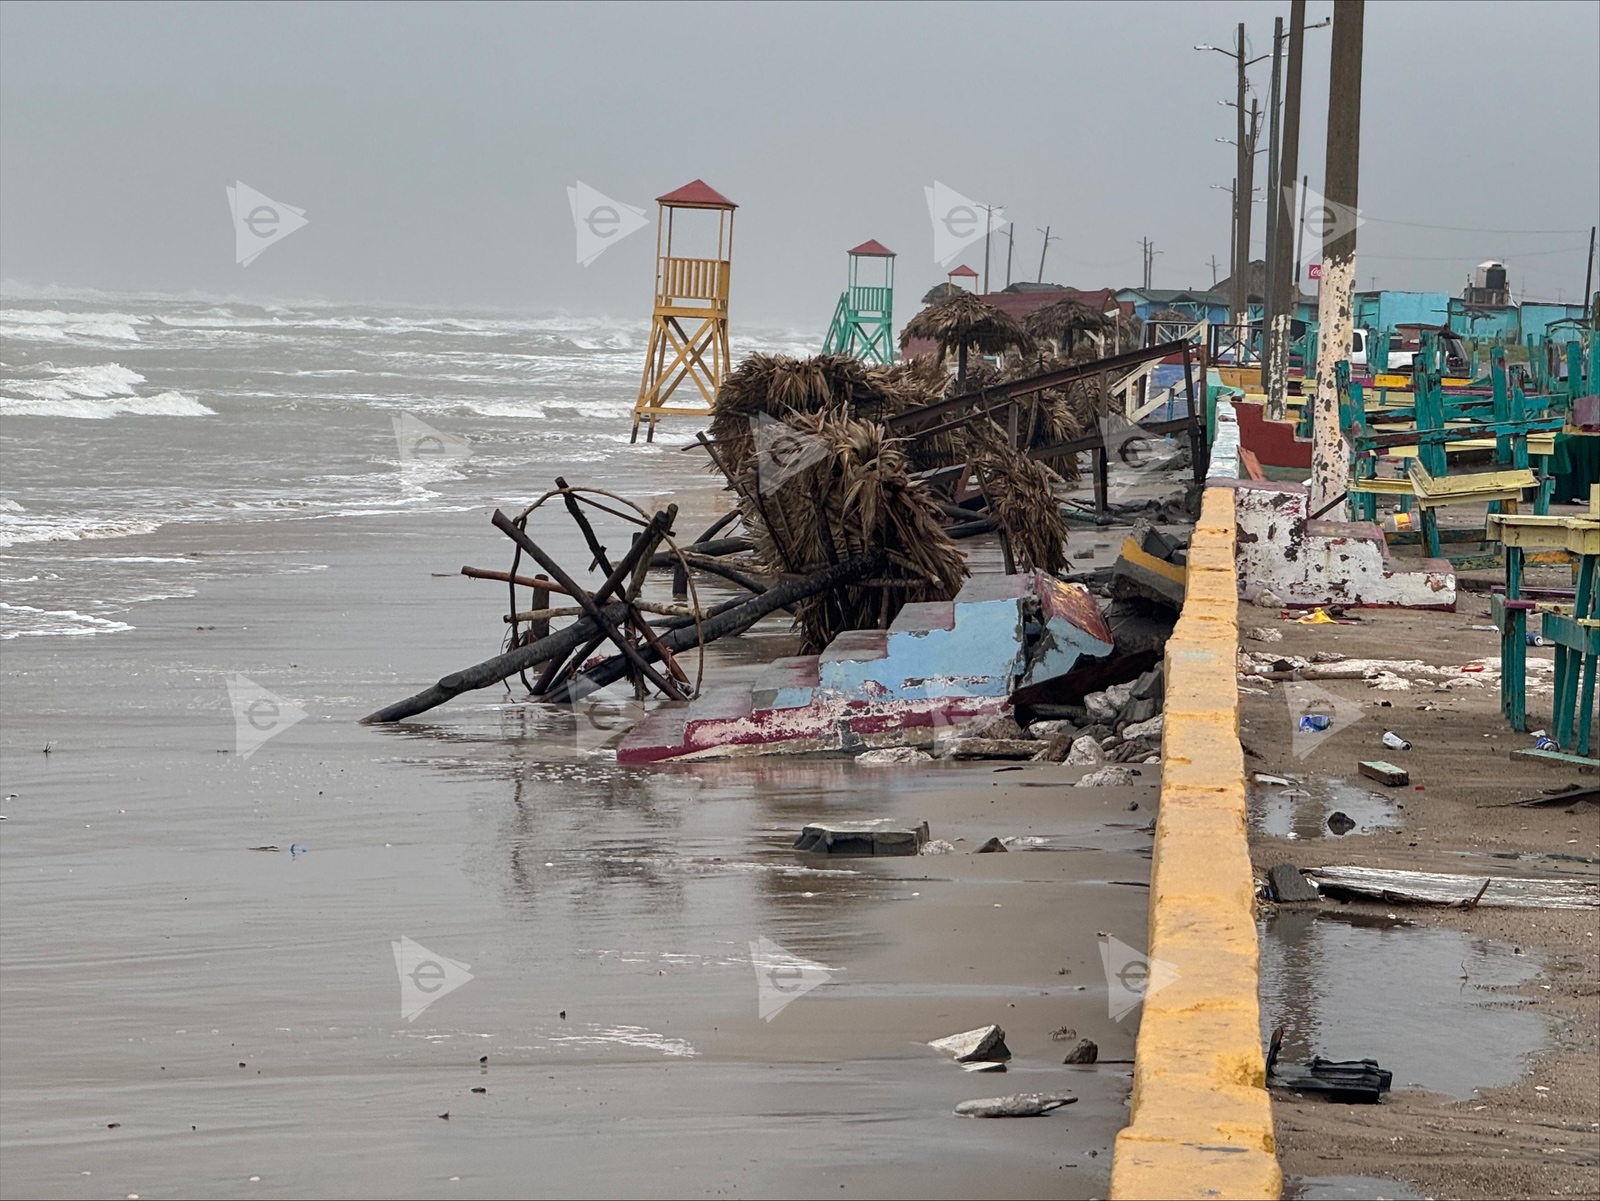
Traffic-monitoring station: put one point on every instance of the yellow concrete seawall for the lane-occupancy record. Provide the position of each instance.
(1202, 1120)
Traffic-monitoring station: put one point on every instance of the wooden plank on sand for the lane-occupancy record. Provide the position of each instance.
(1437, 888)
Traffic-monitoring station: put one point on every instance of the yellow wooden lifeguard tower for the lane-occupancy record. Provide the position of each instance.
(691, 294)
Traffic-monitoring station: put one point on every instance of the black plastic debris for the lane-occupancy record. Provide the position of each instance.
(1352, 1081)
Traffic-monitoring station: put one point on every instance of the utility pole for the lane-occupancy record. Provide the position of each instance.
(1241, 193)
(1588, 270)
(1330, 454)
(1247, 196)
(1280, 304)
(1011, 245)
(1213, 271)
(1272, 197)
(1044, 250)
(1300, 245)
(1233, 239)
(988, 220)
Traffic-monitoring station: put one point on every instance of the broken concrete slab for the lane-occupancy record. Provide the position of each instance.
(1055, 749)
(994, 844)
(1085, 752)
(1289, 886)
(1085, 1052)
(985, 1043)
(1385, 773)
(991, 748)
(1019, 1105)
(1146, 729)
(1051, 727)
(999, 727)
(1107, 706)
(1139, 573)
(1111, 776)
(889, 755)
(880, 836)
(1141, 709)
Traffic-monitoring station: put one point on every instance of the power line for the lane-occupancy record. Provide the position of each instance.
(1469, 229)
(1444, 258)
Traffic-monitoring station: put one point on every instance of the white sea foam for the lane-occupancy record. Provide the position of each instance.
(41, 527)
(164, 404)
(68, 383)
(24, 621)
(629, 1036)
(93, 393)
(53, 325)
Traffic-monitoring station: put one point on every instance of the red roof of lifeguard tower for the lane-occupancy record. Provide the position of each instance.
(872, 248)
(697, 195)
(965, 272)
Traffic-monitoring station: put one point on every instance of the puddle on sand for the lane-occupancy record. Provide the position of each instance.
(1345, 987)
(1302, 810)
(1348, 1188)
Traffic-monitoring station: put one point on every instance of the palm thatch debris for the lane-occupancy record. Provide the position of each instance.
(847, 492)
(799, 439)
(1019, 495)
(779, 385)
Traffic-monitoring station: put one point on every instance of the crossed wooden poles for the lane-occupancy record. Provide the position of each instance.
(615, 613)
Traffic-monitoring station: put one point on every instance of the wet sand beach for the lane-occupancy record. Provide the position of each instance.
(183, 1011)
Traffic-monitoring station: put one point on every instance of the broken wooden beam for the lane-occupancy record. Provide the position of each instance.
(1385, 773)
(1438, 888)
(492, 671)
(595, 613)
(734, 619)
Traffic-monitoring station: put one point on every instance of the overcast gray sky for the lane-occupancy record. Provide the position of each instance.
(431, 145)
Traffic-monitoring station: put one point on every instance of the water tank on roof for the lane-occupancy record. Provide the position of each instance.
(1492, 275)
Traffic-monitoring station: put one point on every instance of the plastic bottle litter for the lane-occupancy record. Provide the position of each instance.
(1394, 742)
(1545, 743)
(1537, 640)
(1314, 722)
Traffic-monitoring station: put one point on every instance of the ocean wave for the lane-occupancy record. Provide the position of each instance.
(93, 393)
(67, 383)
(42, 527)
(54, 325)
(165, 404)
(629, 1036)
(24, 621)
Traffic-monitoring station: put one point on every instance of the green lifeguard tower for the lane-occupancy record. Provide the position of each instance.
(863, 323)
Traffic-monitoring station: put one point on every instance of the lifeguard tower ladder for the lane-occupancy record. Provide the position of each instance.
(863, 322)
(691, 295)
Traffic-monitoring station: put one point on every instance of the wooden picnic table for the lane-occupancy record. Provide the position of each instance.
(1576, 635)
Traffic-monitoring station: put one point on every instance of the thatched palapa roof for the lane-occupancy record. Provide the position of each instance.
(965, 320)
